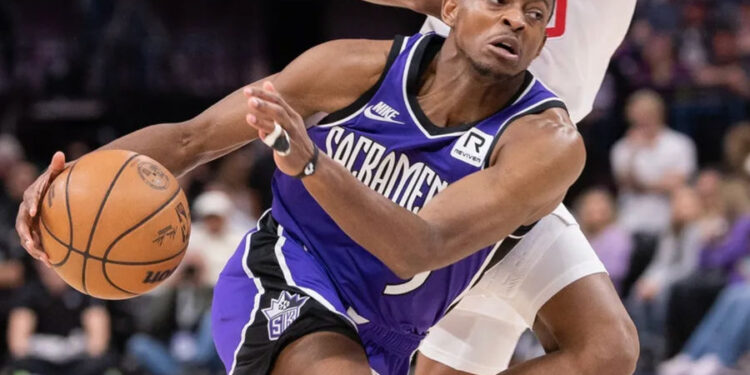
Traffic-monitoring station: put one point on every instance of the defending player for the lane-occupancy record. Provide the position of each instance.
(298, 278)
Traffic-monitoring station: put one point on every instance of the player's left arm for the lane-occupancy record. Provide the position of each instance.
(532, 166)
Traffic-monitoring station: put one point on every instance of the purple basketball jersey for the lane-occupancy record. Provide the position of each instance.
(389, 144)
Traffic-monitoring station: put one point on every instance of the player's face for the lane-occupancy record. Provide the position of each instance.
(500, 37)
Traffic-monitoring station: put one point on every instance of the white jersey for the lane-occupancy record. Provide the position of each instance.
(583, 35)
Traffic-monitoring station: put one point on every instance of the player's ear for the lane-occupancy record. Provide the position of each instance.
(449, 12)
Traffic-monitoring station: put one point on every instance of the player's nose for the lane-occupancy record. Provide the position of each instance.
(513, 17)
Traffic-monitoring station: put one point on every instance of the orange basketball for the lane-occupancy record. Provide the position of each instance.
(115, 224)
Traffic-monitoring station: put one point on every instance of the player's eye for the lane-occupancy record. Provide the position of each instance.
(498, 2)
(536, 15)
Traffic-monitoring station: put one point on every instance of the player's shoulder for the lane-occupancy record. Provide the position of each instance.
(552, 129)
(550, 135)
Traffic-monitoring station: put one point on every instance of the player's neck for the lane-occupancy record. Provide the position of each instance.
(452, 92)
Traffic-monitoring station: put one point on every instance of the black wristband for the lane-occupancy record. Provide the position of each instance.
(311, 165)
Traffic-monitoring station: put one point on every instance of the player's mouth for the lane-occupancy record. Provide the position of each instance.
(506, 47)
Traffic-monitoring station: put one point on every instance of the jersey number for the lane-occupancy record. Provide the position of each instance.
(414, 283)
(556, 27)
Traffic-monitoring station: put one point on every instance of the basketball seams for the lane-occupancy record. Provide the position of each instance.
(54, 237)
(104, 259)
(69, 245)
(94, 257)
(106, 276)
(96, 219)
(125, 268)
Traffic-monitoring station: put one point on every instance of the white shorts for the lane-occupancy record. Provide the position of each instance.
(480, 334)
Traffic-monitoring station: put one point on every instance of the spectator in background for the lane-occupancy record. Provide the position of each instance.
(648, 164)
(693, 50)
(737, 155)
(721, 262)
(721, 340)
(711, 189)
(19, 177)
(14, 173)
(176, 331)
(676, 257)
(11, 277)
(725, 70)
(214, 236)
(55, 330)
(596, 215)
(11, 153)
(661, 70)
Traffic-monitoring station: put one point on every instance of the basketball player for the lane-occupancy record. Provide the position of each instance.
(553, 270)
(303, 278)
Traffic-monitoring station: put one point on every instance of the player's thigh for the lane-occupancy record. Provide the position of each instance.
(322, 353)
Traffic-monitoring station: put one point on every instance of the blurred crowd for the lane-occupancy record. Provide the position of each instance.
(664, 199)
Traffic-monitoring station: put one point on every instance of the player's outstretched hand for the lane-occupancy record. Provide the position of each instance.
(266, 108)
(27, 221)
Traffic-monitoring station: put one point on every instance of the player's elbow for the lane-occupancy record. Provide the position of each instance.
(403, 270)
(614, 351)
(190, 142)
(418, 254)
(409, 264)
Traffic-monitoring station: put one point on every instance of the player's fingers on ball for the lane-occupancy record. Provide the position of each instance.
(39, 250)
(36, 197)
(30, 197)
(22, 226)
(57, 165)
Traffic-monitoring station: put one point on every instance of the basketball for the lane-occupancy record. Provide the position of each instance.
(115, 224)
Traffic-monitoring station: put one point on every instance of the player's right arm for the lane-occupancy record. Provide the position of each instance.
(326, 78)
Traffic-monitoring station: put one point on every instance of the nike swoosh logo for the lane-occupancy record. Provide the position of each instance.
(375, 116)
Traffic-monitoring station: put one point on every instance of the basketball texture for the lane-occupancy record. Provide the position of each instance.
(114, 224)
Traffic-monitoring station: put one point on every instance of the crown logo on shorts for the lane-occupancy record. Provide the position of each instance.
(283, 312)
